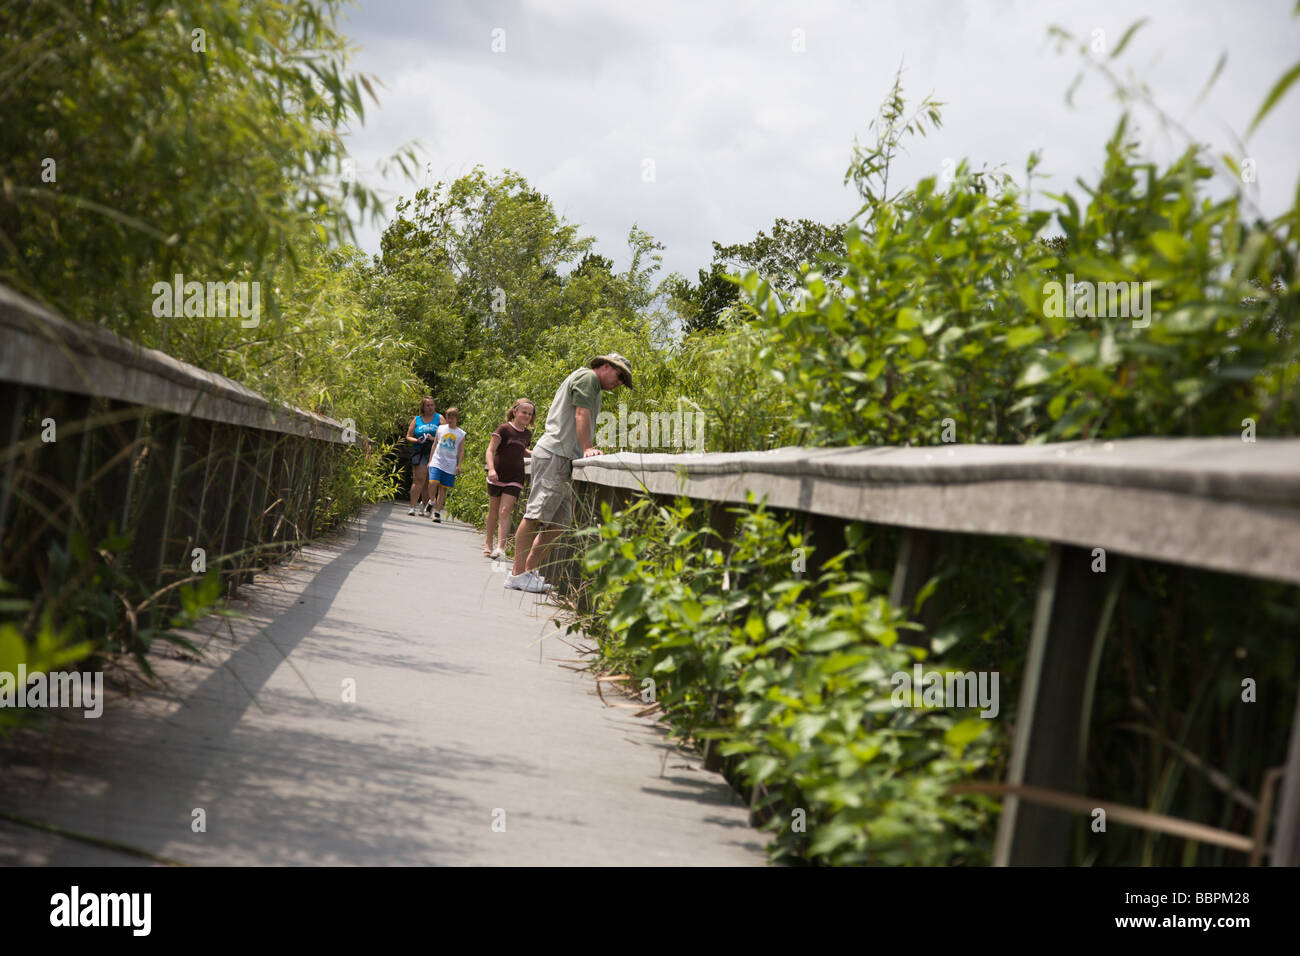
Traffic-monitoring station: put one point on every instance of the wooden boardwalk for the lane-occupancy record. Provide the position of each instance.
(461, 718)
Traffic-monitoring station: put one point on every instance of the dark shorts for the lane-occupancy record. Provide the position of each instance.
(421, 455)
(496, 491)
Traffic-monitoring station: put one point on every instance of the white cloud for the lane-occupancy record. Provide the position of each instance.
(742, 129)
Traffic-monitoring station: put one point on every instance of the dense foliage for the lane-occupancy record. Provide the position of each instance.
(776, 257)
(791, 674)
(939, 323)
(204, 137)
(199, 138)
(945, 311)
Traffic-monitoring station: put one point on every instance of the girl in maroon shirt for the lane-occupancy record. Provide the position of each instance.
(505, 467)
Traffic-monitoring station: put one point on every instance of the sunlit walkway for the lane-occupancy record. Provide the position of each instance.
(461, 718)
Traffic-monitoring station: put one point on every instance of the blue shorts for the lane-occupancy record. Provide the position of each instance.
(442, 477)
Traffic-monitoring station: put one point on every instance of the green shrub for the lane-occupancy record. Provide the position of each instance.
(946, 310)
(790, 677)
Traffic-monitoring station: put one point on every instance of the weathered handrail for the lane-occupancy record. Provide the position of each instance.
(1215, 503)
(44, 350)
(101, 440)
(1221, 504)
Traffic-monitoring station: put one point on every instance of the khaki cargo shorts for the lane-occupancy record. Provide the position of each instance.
(550, 498)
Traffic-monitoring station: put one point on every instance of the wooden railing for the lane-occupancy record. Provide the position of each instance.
(101, 439)
(1220, 503)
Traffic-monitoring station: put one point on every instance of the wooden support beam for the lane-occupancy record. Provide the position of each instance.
(1286, 838)
(1070, 623)
(140, 446)
(722, 521)
(174, 450)
(918, 560)
(256, 466)
(13, 398)
(825, 535)
(202, 535)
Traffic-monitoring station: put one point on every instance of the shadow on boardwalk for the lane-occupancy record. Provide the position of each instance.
(456, 724)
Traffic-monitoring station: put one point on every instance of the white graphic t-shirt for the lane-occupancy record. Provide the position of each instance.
(447, 447)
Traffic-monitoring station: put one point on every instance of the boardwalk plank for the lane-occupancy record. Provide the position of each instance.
(455, 716)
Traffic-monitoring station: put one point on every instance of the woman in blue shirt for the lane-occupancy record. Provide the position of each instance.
(420, 433)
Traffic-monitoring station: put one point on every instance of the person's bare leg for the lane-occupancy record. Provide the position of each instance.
(494, 505)
(439, 497)
(524, 543)
(419, 478)
(507, 509)
(537, 553)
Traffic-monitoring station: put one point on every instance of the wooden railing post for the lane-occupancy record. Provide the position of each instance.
(176, 433)
(14, 398)
(201, 538)
(260, 498)
(1070, 623)
(227, 519)
(826, 537)
(1286, 838)
(918, 559)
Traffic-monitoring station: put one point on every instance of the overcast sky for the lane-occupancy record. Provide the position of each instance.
(743, 127)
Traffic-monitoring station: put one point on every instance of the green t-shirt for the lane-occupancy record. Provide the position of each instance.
(580, 390)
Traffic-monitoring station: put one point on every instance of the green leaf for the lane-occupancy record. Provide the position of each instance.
(1128, 35)
(629, 607)
(964, 731)
(1034, 373)
(1023, 335)
(1170, 245)
(830, 640)
(760, 767)
(1276, 93)
(827, 839)
(1056, 406)
(777, 619)
(13, 649)
(1214, 76)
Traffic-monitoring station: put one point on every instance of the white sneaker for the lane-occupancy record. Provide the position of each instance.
(499, 553)
(411, 512)
(527, 581)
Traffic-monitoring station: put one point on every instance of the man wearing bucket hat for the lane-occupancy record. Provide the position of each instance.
(570, 427)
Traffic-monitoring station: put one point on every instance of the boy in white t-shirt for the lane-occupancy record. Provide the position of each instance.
(448, 450)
